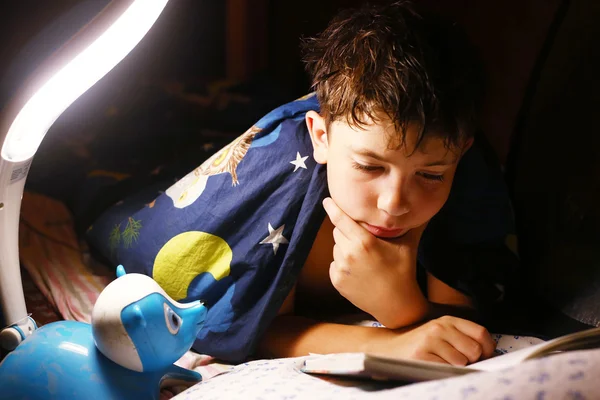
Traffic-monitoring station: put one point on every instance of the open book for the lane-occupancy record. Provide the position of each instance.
(385, 368)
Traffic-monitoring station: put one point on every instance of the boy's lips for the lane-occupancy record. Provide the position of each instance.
(386, 233)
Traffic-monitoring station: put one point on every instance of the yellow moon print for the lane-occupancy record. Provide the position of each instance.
(188, 255)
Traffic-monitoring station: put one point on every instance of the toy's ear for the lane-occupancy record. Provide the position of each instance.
(132, 317)
(120, 271)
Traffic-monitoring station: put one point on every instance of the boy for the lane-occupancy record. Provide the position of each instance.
(395, 114)
(391, 132)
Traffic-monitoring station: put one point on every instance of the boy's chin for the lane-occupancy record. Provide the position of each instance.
(395, 238)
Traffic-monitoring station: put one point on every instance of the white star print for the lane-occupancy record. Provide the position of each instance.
(299, 162)
(275, 238)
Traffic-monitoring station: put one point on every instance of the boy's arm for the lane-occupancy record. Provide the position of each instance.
(441, 293)
(445, 300)
(293, 336)
(449, 340)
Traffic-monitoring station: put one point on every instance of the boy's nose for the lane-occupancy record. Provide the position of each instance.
(393, 202)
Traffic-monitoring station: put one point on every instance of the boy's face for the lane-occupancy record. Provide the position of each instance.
(387, 191)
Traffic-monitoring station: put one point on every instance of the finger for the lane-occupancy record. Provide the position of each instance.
(347, 226)
(477, 333)
(449, 353)
(465, 344)
(336, 275)
(333, 274)
(339, 237)
(339, 268)
(338, 255)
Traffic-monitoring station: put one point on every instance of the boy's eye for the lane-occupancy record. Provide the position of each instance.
(432, 177)
(365, 168)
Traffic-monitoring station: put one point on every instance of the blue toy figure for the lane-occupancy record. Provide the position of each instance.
(137, 332)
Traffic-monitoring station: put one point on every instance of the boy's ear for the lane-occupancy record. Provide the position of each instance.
(318, 135)
(467, 145)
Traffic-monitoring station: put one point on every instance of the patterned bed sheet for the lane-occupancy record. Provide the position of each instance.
(566, 376)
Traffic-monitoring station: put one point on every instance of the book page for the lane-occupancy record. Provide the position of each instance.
(575, 341)
(508, 359)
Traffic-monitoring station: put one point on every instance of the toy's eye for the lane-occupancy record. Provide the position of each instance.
(172, 320)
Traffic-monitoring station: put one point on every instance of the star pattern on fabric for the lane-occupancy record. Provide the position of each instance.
(299, 162)
(275, 238)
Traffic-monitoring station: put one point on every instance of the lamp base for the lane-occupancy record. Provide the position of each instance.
(12, 336)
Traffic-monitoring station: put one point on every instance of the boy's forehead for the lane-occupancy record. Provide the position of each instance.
(378, 139)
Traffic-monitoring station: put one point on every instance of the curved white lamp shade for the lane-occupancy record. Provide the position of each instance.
(72, 70)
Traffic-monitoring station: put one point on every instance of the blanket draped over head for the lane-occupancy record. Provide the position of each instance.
(236, 231)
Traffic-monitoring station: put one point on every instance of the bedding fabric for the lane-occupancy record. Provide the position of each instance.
(570, 375)
(61, 269)
(236, 231)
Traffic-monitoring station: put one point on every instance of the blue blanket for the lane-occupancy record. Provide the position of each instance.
(236, 231)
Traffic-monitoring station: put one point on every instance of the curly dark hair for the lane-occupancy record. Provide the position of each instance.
(413, 67)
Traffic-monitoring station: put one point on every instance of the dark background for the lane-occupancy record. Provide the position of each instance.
(196, 41)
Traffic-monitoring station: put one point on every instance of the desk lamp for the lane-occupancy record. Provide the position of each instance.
(137, 330)
(100, 45)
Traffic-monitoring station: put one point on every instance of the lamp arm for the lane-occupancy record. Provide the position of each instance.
(12, 182)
